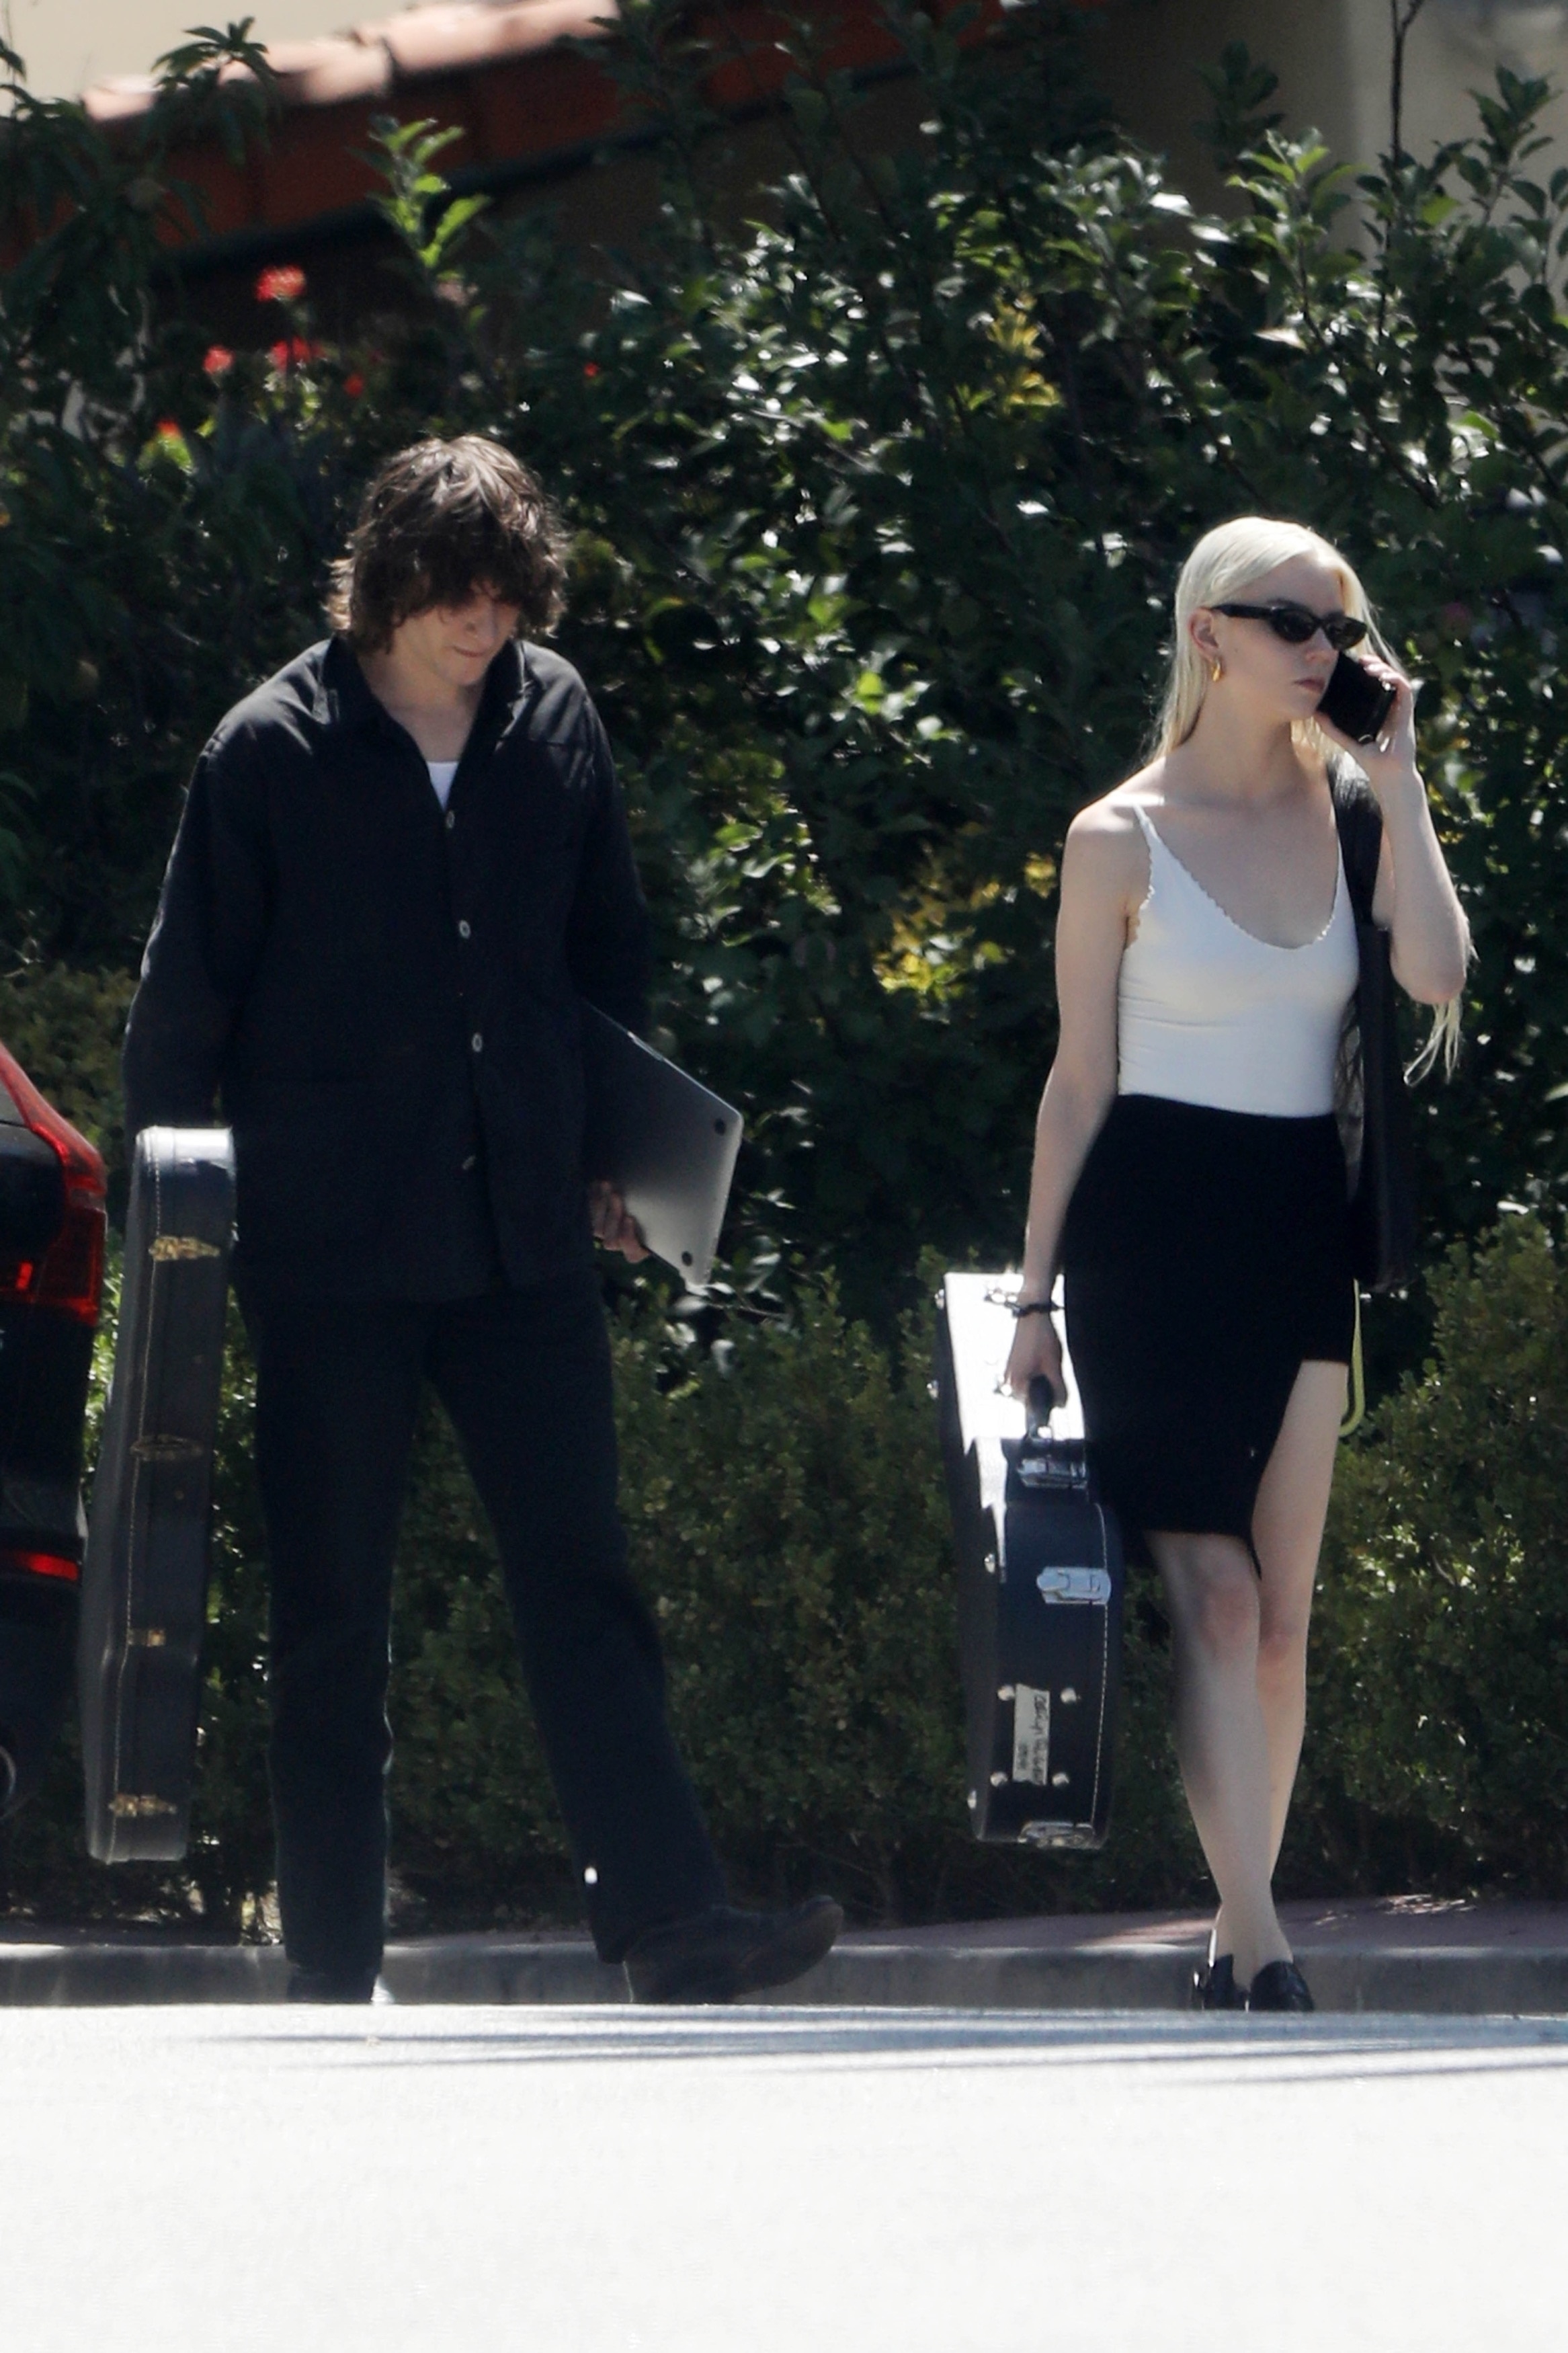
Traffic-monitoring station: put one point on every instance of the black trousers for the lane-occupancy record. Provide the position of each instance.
(525, 1377)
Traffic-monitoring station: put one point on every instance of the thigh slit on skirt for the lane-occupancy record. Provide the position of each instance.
(1205, 1258)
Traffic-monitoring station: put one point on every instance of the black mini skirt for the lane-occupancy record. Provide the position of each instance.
(1205, 1258)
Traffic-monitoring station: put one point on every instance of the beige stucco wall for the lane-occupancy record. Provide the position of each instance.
(69, 43)
(1333, 59)
(1455, 47)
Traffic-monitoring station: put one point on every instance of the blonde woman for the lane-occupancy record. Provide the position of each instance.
(1188, 1175)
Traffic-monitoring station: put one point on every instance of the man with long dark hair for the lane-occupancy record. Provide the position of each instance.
(402, 864)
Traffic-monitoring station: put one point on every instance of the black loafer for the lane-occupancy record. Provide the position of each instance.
(329, 1985)
(724, 1953)
(1215, 1987)
(1280, 1986)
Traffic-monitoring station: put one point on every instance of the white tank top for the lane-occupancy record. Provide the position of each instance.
(1207, 1013)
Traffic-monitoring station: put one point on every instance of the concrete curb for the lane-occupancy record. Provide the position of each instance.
(860, 1973)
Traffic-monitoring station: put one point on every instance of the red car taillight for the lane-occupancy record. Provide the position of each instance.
(19, 1558)
(69, 1276)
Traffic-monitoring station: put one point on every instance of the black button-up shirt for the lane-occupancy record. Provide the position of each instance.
(385, 995)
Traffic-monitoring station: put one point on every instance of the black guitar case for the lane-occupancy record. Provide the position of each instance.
(144, 1578)
(1040, 1584)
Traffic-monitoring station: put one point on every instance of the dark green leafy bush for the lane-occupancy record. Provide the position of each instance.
(1442, 1666)
(879, 508)
(787, 1522)
(64, 1025)
(787, 1519)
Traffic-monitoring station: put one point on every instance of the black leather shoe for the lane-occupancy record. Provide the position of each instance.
(724, 1954)
(1215, 1987)
(1280, 1986)
(329, 1985)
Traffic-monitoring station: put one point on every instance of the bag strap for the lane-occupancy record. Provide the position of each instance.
(1359, 824)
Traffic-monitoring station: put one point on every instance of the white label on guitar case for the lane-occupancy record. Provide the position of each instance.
(1075, 1585)
(1031, 1736)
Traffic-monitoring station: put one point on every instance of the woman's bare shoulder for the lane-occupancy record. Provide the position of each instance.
(1105, 841)
(1112, 817)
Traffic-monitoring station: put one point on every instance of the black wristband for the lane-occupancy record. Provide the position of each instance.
(1030, 1307)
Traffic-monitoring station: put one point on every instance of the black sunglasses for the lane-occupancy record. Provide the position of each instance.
(1295, 624)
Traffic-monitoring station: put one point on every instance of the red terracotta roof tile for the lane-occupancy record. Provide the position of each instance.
(515, 89)
(366, 62)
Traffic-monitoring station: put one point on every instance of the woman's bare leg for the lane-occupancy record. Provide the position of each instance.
(1287, 1530)
(1222, 1744)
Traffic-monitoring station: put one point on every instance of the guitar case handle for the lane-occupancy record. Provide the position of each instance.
(1042, 1402)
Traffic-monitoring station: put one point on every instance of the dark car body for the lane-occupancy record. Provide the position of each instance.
(51, 1289)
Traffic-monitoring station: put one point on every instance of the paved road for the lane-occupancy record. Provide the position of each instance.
(598, 2181)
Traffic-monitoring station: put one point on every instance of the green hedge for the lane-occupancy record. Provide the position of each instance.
(786, 1516)
(1441, 1699)
(878, 506)
(785, 1511)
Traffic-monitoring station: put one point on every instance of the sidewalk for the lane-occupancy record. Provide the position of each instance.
(1397, 1954)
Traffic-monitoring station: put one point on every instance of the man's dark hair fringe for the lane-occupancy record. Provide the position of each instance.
(439, 520)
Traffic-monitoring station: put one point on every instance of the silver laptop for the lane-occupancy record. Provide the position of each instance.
(667, 1142)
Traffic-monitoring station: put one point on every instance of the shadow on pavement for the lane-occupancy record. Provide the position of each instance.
(1245, 2051)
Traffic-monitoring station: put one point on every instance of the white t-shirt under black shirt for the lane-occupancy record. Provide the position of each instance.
(441, 774)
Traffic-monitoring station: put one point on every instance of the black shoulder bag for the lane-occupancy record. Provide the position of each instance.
(1370, 1095)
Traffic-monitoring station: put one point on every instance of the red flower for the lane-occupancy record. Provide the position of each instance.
(354, 385)
(167, 429)
(283, 283)
(218, 360)
(294, 349)
(591, 368)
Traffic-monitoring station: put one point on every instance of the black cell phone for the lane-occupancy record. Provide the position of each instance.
(1358, 703)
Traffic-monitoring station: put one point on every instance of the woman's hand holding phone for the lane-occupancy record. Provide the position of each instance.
(1390, 762)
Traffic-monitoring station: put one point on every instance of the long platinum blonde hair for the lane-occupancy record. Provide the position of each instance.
(1223, 564)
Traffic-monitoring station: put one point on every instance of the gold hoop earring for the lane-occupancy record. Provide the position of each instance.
(1216, 671)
